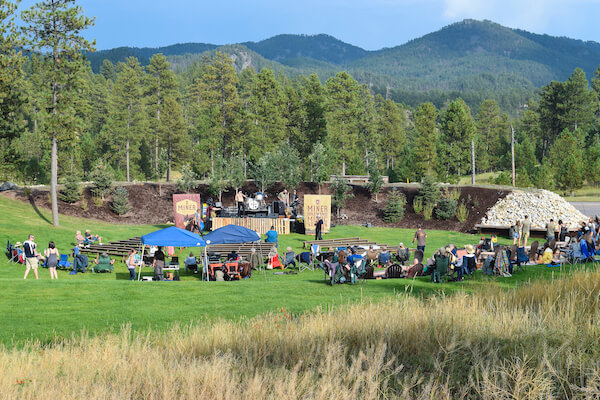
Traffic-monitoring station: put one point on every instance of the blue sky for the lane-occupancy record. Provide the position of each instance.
(371, 24)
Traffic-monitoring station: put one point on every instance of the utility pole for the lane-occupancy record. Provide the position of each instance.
(472, 162)
(512, 152)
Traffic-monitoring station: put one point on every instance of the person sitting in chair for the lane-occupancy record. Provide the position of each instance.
(81, 240)
(271, 235)
(104, 263)
(402, 254)
(191, 263)
(92, 238)
(372, 255)
(289, 258)
(233, 256)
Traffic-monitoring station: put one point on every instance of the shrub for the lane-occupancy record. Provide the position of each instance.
(427, 211)
(446, 208)
(418, 204)
(102, 180)
(523, 179)
(504, 179)
(71, 192)
(453, 194)
(430, 191)
(394, 209)
(188, 179)
(462, 212)
(120, 202)
(84, 203)
(341, 192)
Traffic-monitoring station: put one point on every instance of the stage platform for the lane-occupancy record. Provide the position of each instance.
(260, 225)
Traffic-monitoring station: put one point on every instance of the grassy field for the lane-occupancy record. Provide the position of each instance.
(46, 310)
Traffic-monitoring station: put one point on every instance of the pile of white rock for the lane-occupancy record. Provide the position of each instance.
(539, 205)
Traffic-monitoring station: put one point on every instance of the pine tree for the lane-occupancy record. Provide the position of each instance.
(426, 139)
(53, 27)
(129, 123)
(314, 97)
(174, 135)
(161, 84)
(458, 129)
(489, 132)
(342, 116)
(394, 209)
(391, 127)
(566, 157)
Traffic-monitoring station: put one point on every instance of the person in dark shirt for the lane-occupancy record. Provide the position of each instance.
(159, 264)
(319, 228)
(31, 257)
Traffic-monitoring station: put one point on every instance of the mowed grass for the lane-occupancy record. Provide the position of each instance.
(96, 303)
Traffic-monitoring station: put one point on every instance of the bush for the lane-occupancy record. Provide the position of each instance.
(72, 192)
(418, 204)
(462, 212)
(453, 194)
(103, 180)
(504, 179)
(523, 179)
(120, 202)
(394, 209)
(188, 179)
(84, 203)
(430, 191)
(341, 192)
(446, 208)
(427, 211)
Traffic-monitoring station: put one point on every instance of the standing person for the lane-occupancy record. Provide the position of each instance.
(284, 197)
(131, 264)
(421, 238)
(52, 255)
(563, 231)
(294, 196)
(31, 256)
(319, 228)
(239, 201)
(550, 229)
(517, 234)
(159, 264)
(525, 230)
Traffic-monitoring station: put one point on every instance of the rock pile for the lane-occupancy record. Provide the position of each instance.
(540, 205)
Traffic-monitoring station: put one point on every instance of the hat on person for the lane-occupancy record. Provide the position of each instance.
(18, 244)
(470, 249)
(401, 244)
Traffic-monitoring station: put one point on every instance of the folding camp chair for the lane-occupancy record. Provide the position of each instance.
(384, 258)
(314, 261)
(289, 259)
(233, 270)
(586, 254)
(64, 261)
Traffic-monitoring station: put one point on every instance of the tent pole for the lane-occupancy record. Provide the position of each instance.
(205, 263)
(142, 263)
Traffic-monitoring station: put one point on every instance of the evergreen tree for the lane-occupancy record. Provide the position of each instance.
(53, 27)
(161, 84)
(426, 139)
(341, 193)
(319, 171)
(391, 127)
(314, 103)
(129, 123)
(120, 201)
(107, 70)
(458, 129)
(490, 129)
(394, 209)
(174, 135)
(566, 157)
(367, 126)
(342, 115)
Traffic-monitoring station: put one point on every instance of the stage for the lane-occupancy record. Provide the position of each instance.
(260, 225)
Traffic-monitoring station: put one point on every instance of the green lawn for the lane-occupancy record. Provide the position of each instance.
(95, 303)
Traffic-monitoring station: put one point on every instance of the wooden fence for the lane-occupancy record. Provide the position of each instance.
(260, 225)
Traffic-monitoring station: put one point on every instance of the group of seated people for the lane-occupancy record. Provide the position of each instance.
(87, 239)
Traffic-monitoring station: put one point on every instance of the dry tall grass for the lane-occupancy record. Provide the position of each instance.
(538, 342)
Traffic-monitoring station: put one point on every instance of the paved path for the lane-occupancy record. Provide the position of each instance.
(587, 208)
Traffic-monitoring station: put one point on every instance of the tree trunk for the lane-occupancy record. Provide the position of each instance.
(169, 160)
(127, 145)
(472, 162)
(156, 137)
(512, 153)
(53, 181)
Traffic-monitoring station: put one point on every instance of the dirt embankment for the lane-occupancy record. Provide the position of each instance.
(153, 204)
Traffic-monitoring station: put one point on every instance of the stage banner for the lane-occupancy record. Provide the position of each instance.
(185, 207)
(316, 204)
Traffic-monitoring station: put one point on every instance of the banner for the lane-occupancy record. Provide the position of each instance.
(187, 209)
(316, 204)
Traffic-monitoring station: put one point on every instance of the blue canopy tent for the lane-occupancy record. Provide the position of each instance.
(229, 234)
(171, 236)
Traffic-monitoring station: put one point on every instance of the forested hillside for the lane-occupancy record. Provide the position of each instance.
(473, 59)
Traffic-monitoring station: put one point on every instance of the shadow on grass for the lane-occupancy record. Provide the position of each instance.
(37, 211)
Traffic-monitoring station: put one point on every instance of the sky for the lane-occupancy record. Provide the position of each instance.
(370, 24)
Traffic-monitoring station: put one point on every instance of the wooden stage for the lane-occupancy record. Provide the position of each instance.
(260, 225)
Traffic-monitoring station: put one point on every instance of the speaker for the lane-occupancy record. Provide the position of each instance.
(278, 207)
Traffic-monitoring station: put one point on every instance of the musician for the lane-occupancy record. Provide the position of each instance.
(239, 200)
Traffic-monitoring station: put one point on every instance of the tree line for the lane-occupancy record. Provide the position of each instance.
(60, 120)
